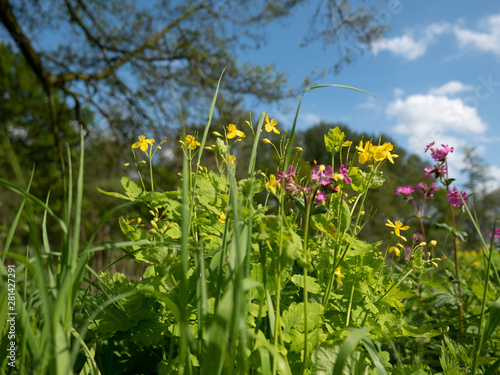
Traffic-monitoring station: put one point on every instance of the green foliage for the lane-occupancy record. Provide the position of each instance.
(264, 273)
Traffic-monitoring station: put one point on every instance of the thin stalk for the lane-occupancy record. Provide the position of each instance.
(277, 315)
(457, 273)
(306, 239)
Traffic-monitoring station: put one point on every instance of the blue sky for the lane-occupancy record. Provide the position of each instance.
(436, 75)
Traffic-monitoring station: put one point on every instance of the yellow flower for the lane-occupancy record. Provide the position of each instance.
(398, 226)
(365, 153)
(222, 217)
(271, 125)
(272, 185)
(234, 132)
(384, 151)
(232, 160)
(338, 273)
(191, 142)
(395, 250)
(347, 144)
(143, 143)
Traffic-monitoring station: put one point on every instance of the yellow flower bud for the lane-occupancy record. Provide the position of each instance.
(217, 134)
(338, 177)
(435, 264)
(222, 218)
(143, 161)
(265, 140)
(151, 212)
(432, 243)
(422, 244)
(299, 149)
(126, 164)
(209, 148)
(139, 220)
(362, 213)
(153, 224)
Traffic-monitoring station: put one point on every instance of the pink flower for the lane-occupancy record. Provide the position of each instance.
(405, 191)
(289, 174)
(495, 234)
(322, 175)
(454, 197)
(437, 172)
(344, 172)
(439, 154)
(321, 197)
(425, 190)
(429, 146)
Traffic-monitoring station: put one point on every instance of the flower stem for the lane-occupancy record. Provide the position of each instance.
(306, 239)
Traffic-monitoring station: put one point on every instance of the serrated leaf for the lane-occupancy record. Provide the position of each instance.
(147, 332)
(312, 285)
(321, 223)
(445, 299)
(131, 188)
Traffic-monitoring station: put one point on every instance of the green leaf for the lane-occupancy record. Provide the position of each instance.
(348, 347)
(147, 332)
(478, 290)
(425, 330)
(344, 219)
(444, 226)
(377, 361)
(321, 223)
(115, 195)
(377, 180)
(312, 286)
(132, 190)
(293, 318)
(334, 140)
(445, 299)
(491, 323)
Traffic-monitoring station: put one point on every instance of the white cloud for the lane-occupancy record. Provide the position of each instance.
(430, 118)
(488, 40)
(309, 119)
(398, 92)
(409, 47)
(404, 46)
(450, 88)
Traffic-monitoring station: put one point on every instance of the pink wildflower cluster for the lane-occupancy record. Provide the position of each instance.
(323, 179)
(454, 197)
(439, 154)
(426, 190)
(440, 170)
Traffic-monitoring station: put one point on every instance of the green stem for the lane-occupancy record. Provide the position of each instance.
(277, 315)
(457, 274)
(306, 238)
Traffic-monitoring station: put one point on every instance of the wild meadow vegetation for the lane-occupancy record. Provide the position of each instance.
(267, 273)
